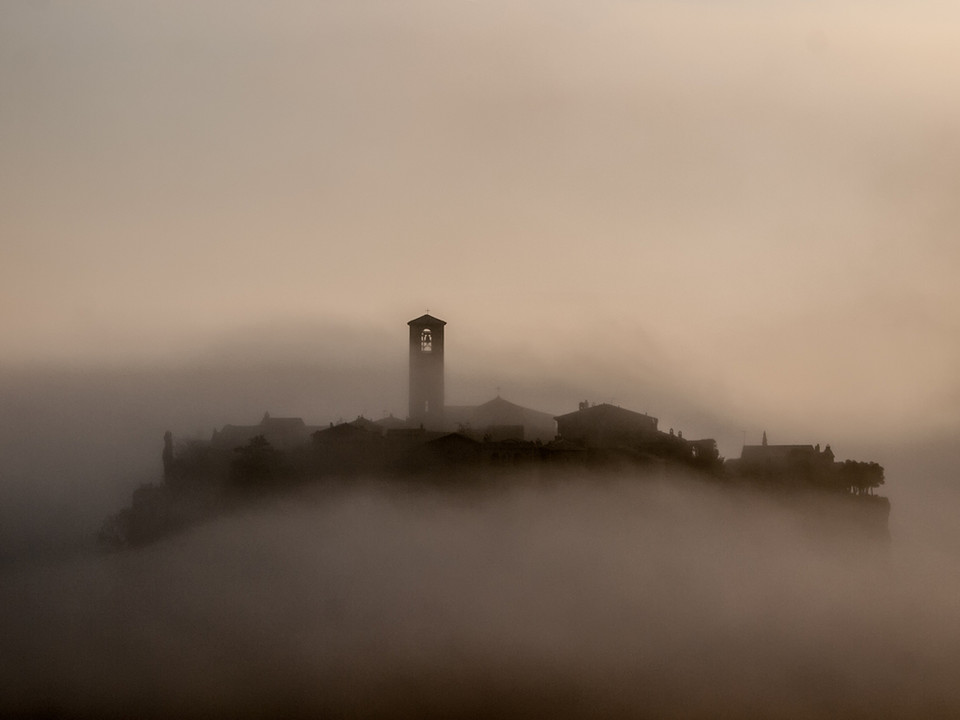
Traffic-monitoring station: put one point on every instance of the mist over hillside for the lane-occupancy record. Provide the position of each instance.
(737, 217)
(587, 594)
(603, 595)
(76, 439)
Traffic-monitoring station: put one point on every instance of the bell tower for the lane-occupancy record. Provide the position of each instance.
(426, 372)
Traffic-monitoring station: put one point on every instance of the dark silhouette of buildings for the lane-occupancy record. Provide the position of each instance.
(496, 432)
(784, 457)
(461, 444)
(772, 460)
(505, 429)
(493, 433)
(497, 419)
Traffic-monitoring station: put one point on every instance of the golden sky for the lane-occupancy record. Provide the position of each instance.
(751, 204)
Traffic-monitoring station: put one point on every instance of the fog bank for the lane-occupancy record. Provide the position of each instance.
(574, 598)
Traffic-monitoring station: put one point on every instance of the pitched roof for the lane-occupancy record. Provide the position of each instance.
(496, 412)
(453, 439)
(428, 320)
(606, 409)
(502, 412)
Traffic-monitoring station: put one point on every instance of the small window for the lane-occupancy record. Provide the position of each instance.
(426, 340)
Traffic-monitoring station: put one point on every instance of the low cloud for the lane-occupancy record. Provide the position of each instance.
(568, 597)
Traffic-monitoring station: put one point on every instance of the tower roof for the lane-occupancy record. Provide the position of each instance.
(427, 320)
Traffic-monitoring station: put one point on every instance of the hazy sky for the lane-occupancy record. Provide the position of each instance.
(753, 204)
(735, 215)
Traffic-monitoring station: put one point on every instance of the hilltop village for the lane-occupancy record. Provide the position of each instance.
(452, 444)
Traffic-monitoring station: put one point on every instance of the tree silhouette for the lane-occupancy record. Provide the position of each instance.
(861, 477)
(256, 462)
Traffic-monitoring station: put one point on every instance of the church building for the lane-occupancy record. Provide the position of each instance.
(496, 419)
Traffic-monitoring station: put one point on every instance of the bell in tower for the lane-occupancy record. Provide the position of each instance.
(426, 372)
